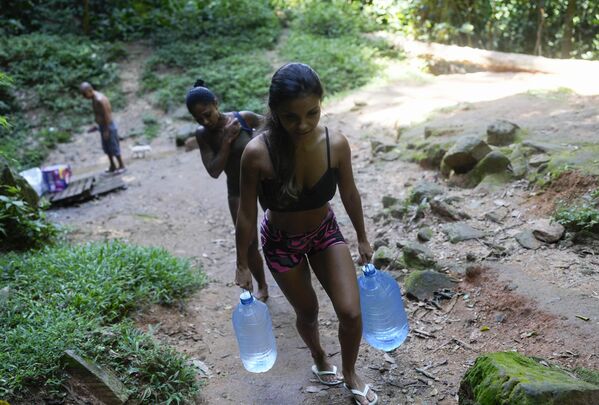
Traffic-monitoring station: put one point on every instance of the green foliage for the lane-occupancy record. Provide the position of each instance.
(151, 127)
(578, 217)
(343, 63)
(240, 81)
(332, 18)
(47, 71)
(155, 373)
(502, 25)
(66, 297)
(22, 226)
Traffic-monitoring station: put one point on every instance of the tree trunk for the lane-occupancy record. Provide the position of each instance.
(86, 17)
(538, 44)
(567, 38)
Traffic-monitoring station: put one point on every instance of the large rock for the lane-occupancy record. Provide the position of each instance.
(465, 154)
(422, 284)
(12, 179)
(501, 133)
(385, 257)
(494, 162)
(518, 162)
(425, 189)
(509, 378)
(547, 231)
(417, 256)
(446, 211)
(183, 132)
(461, 231)
(527, 240)
(388, 201)
(425, 234)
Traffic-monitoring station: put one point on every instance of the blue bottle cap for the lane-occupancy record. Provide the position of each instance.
(246, 298)
(369, 270)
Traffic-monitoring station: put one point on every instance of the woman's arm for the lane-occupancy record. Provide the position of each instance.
(248, 211)
(215, 163)
(254, 120)
(350, 196)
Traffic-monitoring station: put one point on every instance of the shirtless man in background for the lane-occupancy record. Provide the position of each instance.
(108, 130)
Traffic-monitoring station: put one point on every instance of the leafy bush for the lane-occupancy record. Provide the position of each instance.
(64, 297)
(579, 217)
(239, 80)
(327, 18)
(343, 63)
(22, 225)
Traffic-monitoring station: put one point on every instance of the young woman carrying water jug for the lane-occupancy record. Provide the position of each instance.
(294, 167)
(222, 137)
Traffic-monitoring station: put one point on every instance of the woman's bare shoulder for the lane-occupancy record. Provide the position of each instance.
(256, 149)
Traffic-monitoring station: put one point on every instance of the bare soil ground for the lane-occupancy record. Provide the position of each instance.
(522, 300)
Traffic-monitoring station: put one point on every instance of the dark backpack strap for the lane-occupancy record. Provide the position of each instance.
(326, 130)
(243, 123)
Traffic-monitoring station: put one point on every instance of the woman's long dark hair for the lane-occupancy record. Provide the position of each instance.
(291, 81)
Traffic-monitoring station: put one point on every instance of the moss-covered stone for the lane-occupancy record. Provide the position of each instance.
(9, 178)
(385, 257)
(418, 256)
(508, 378)
(465, 154)
(518, 162)
(424, 189)
(388, 201)
(422, 284)
(494, 162)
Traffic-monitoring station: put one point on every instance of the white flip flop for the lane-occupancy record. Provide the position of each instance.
(363, 394)
(319, 374)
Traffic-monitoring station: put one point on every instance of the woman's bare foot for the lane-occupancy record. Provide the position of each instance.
(262, 294)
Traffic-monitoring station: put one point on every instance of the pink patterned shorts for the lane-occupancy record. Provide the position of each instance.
(283, 251)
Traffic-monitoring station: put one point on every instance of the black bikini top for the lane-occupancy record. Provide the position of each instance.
(314, 197)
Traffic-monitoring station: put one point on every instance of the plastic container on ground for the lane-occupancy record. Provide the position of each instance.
(384, 320)
(56, 177)
(253, 329)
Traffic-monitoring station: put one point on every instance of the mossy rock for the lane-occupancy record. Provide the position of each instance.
(518, 162)
(508, 378)
(494, 162)
(385, 257)
(422, 284)
(9, 178)
(424, 189)
(388, 201)
(465, 154)
(418, 256)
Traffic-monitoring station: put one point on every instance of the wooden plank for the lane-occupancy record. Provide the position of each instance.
(107, 184)
(77, 190)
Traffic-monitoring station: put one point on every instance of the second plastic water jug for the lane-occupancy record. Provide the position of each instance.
(385, 324)
(253, 329)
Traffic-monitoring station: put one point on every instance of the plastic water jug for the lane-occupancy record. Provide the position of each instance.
(253, 329)
(384, 320)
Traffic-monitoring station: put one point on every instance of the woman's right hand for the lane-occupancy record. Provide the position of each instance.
(231, 131)
(243, 278)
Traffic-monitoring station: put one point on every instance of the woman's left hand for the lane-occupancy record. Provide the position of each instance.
(365, 251)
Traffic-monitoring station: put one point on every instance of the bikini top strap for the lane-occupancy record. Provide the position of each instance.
(243, 123)
(328, 147)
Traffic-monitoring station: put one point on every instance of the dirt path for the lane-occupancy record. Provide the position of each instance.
(527, 300)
